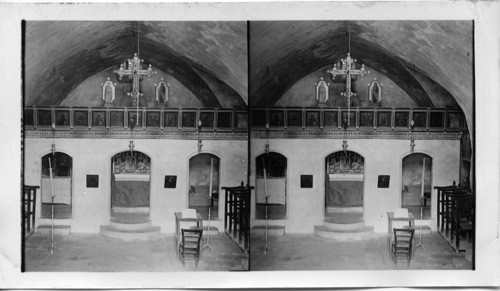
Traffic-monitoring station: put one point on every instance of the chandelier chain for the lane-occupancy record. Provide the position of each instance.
(349, 36)
(138, 54)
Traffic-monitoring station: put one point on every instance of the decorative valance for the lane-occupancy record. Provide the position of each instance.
(346, 177)
(132, 177)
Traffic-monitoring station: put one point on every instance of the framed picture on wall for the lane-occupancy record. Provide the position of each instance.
(383, 181)
(294, 118)
(134, 119)
(224, 119)
(28, 117)
(384, 119)
(62, 117)
(306, 181)
(81, 117)
(189, 119)
(99, 118)
(153, 119)
(170, 182)
(44, 117)
(171, 119)
(312, 118)
(258, 117)
(207, 120)
(92, 181)
(241, 121)
(331, 118)
(117, 118)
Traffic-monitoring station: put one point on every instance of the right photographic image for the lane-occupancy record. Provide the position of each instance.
(361, 145)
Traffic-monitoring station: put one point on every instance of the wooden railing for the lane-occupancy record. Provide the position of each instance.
(237, 119)
(151, 119)
(237, 214)
(368, 119)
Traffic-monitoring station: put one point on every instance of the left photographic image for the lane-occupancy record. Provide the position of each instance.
(135, 146)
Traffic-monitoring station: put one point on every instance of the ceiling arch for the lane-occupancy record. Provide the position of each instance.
(282, 52)
(59, 55)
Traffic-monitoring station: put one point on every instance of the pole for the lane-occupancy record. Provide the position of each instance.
(52, 206)
(265, 189)
(422, 197)
(210, 206)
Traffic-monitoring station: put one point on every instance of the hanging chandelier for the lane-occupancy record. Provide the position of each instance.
(347, 69)
(133, 69)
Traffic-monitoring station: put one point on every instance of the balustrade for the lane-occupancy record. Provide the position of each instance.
(150, 119)
(230, 120)
(364, 119)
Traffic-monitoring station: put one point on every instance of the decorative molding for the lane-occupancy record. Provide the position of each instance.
(105, 93)
(180, 135)
(158, 88)
(371, 90)
(322, 84)
(325, 134)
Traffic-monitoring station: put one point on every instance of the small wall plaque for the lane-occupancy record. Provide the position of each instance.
(306, 181)
(383, 181)
(170, 181)
(92, 181)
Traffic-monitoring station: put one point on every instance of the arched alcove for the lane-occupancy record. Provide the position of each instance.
(344, 179)
(417, 184)
(130, 180)
(271, 182)
(56, 188)
(204, 185)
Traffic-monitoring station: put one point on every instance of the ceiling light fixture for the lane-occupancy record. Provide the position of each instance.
(347, 69)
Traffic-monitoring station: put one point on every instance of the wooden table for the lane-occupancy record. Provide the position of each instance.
(391, 218)
(178, 220)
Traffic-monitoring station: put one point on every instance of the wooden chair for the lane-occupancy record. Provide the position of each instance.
(190, 244)
(402, 246)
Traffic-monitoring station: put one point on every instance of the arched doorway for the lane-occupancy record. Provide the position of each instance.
(271, 174)
(344, 180)
(417, 184)
(204, 185)
(56, 190)
(130, 181)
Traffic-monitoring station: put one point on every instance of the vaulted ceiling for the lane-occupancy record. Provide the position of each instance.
(440, 51)
(62, 54)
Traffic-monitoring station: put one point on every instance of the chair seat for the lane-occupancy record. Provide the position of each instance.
(190, 243)
(402, 245)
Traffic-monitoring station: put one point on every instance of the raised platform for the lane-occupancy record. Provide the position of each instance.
(344, 224)
(58, 229)
(129, 225)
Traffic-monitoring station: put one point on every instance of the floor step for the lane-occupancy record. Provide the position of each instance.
(344, 226)
(130, 210)
(344, 217)
(130, 226)
(130, 217)
(331, 209)
(344, 235)
(130, 221)
(58, 229)
(276, 230)
(142, 234)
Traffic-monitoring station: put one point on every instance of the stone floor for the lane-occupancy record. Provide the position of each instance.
(309, 252)
(96, 253)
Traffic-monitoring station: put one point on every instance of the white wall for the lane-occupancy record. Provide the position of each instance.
(305, 207)
(91, 206)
